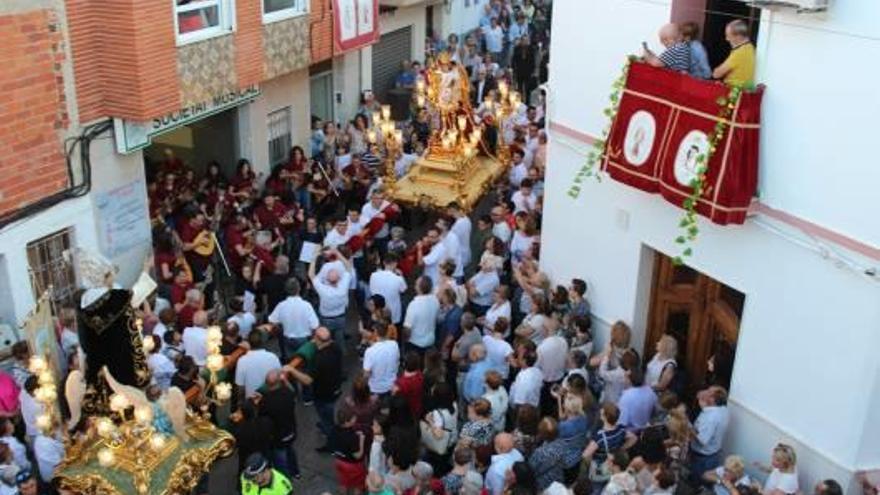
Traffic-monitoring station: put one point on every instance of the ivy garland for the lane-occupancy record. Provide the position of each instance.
(593, 157)
(688, 223)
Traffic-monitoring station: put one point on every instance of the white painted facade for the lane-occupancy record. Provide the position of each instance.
(459, 16)
(805, 370)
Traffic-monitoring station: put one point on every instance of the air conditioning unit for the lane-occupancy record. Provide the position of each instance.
(802, 6)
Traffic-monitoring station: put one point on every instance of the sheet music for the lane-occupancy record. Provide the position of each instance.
(250, 302)
(308, 251)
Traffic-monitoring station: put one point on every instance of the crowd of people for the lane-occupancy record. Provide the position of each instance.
(475, 372)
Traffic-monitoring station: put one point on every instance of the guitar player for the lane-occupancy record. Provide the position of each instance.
(196, 240)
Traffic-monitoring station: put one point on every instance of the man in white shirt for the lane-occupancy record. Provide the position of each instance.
(373, 209)
(452, 246)
(552, 352)
(421, 317)
(30, 408)
(252, 368)
(381, 361)
(333, 297)
(481, 286)
(435, 256)
(524, 199)
(244, 319)
(505, 458)
(500, 227)
(296, 318)
(49, 451)
(518, 168)
(389, 284)
(338, 235)
(461, 227)
(195, 338)
(526, 388)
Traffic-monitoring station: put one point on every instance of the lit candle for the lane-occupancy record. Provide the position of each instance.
(488, 102)
(37, 365)
(105, 427)
(376, 118)
(420, 100)
(477, 134)
(514, 99)
(215, 334)
(143, 414)
(223, 391)
(149, 345)
(386, 112)
(398, 136)
(157, 441)
(106, 457)
(420, 85)
(118, 403)
(214, 362)
(50, 393)
(371, 136)
(502, 88)
(44, 422)
(139, 323)
(462, 122)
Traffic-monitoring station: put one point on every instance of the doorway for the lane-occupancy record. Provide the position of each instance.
(212, 138)
(702, 314)
(718, 14)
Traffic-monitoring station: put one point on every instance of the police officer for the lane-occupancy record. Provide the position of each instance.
(260, 479)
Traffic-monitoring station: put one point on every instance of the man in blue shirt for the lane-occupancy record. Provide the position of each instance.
(474, 382)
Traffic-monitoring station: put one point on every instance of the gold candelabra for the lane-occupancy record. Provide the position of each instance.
(386, 133)
(507, 104)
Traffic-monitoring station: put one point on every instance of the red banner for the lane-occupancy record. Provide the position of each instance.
(664, 122)
(355, 24)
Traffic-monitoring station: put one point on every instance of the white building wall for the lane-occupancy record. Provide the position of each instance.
(460, 16)
(290, 90)
(805, 369)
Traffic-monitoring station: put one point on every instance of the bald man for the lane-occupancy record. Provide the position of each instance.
(506, 455)
(195, 338)
(677, 55)
(278, 402)
(333, 296)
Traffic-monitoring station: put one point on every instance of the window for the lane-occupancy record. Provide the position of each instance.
(275, 10)
(202, 19)
(50, 269)
(279, 135)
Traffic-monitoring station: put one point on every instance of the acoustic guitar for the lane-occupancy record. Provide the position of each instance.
(204, 242)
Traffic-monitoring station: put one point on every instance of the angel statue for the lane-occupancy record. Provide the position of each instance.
(108, 332)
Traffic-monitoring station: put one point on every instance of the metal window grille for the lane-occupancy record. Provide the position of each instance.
(279, 135)
(49, 268)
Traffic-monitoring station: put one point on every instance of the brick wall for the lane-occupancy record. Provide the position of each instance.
(124, 58)
(33, 110)
(248, 43)
(321, 30)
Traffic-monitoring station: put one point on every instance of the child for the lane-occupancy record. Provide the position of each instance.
(397, 245)
(410, 384)
(348, 445)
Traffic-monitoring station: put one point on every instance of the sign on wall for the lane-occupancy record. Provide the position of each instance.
(132, 135)
(355, 24)
(123, 218)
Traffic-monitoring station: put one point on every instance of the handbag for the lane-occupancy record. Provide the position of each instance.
(438, 445)
(600, 472)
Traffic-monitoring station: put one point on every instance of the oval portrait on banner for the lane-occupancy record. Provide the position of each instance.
(694, 144)
(639, 138)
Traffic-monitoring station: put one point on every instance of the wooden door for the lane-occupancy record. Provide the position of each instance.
(701, 313)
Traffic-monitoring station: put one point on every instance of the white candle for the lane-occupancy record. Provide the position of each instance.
(386, 112)
(105, 427)
(37, 365)
(157, 441)
(44, 422)
(223, 391)
(215, 334)
(143, 414)
(214, 362)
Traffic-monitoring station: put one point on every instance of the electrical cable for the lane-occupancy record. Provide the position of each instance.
(74, 190)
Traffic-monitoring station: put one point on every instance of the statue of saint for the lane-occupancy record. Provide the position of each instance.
(108, 330)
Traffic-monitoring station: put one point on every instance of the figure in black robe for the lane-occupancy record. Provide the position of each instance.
(109, 336)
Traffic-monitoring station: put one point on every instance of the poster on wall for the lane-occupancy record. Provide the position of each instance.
(123, 219)
(355, 23)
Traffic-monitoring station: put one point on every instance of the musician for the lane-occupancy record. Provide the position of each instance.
(171, 164)
(165, 257)
(374, 208)
(197, 243)
(213, 177)
(181, 284)
(239, 241)
(244, 182)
